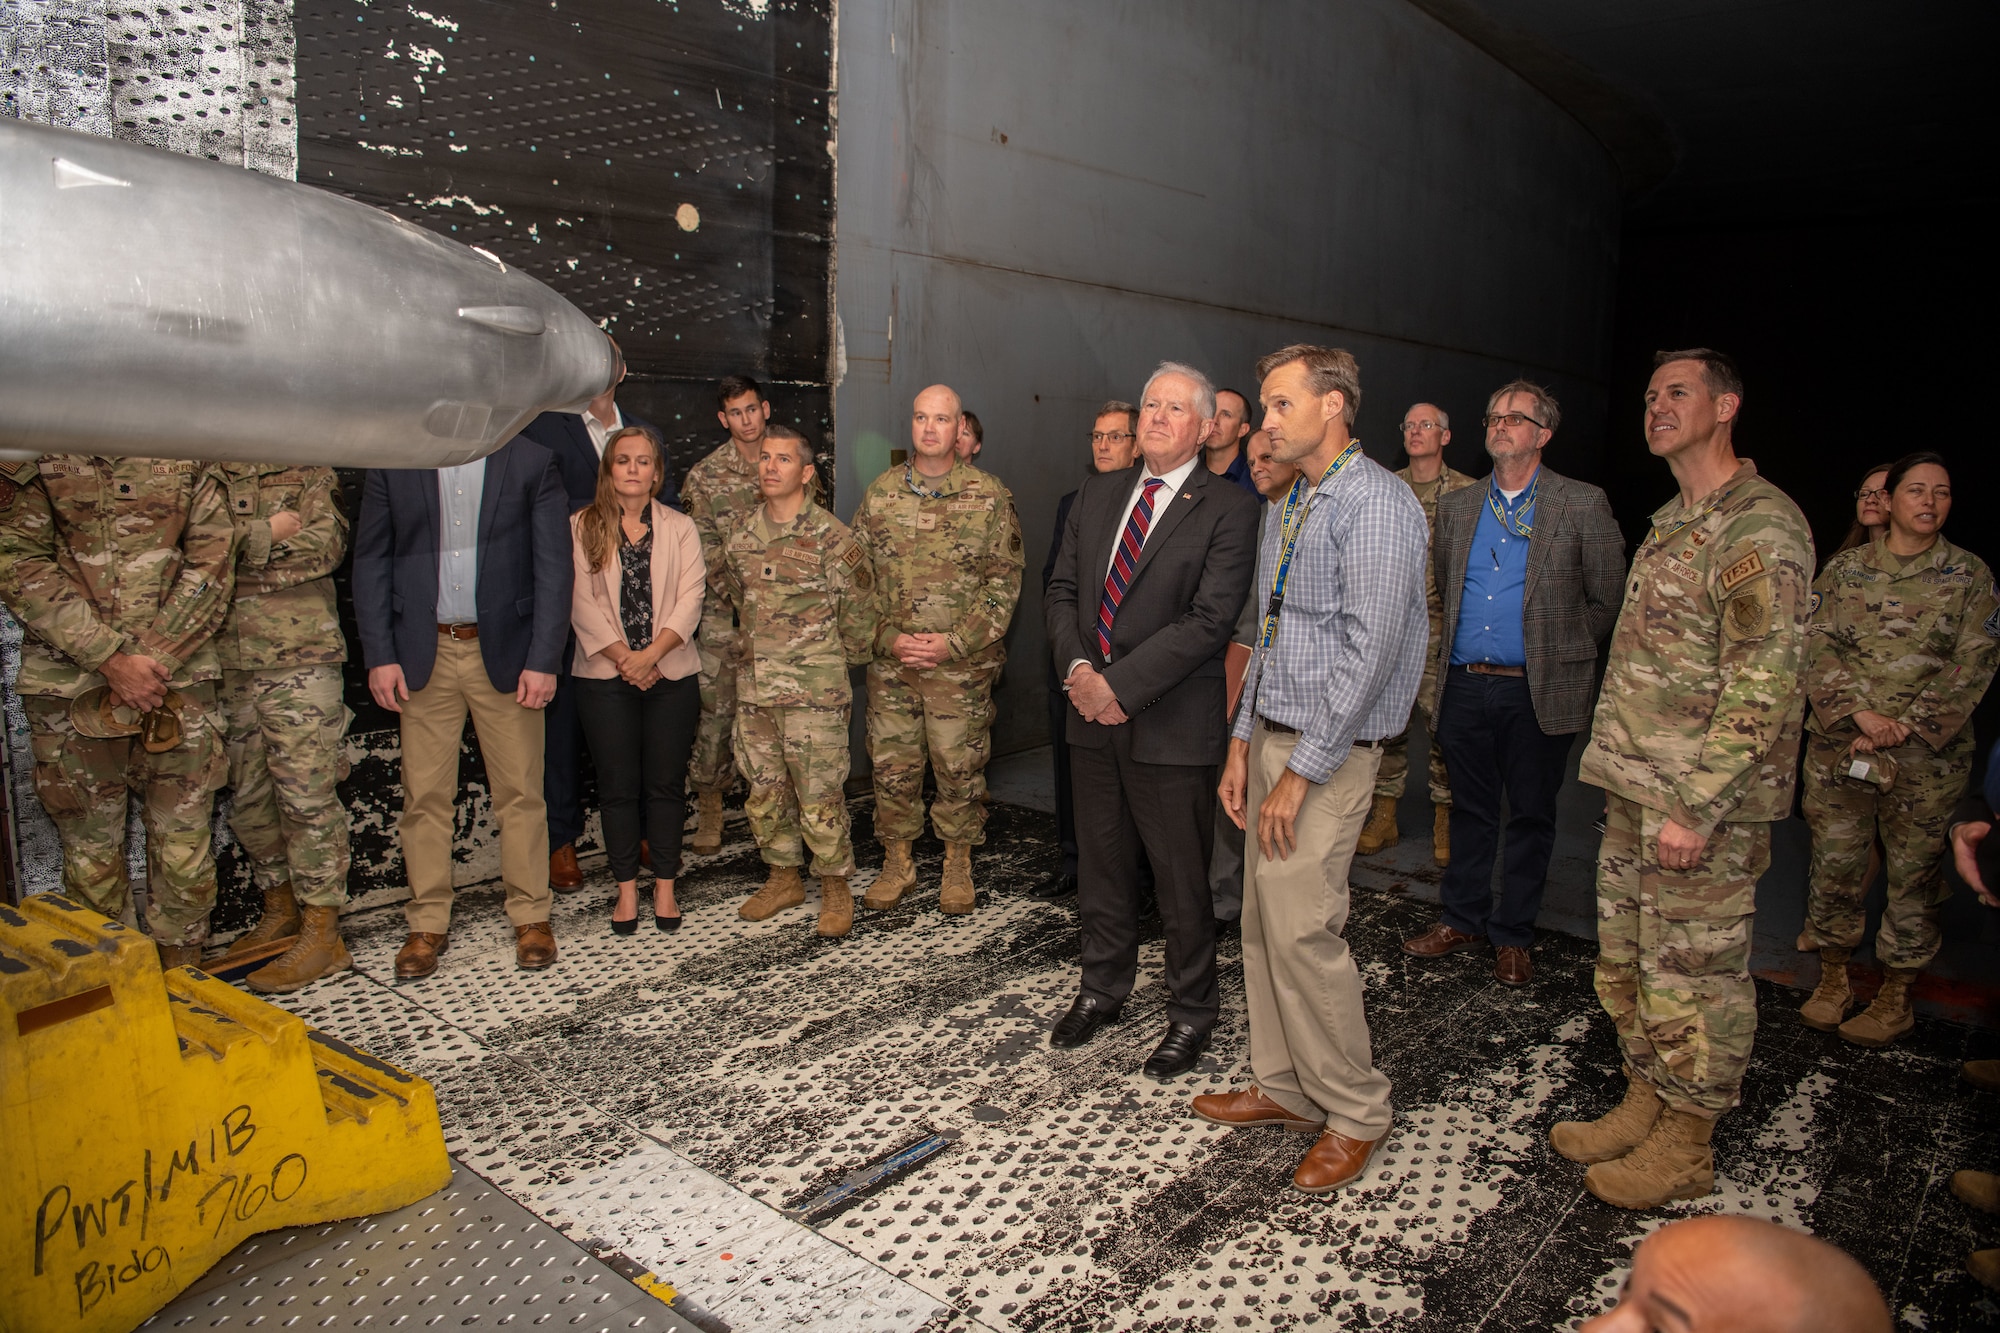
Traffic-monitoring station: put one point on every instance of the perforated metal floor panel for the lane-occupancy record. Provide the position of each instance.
(467, 1257)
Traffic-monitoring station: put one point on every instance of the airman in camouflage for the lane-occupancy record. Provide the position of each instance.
(1903, 647)
(946, 548)
(1695, 742)
(1426, 431)
(281, 650)
(119, 570)
(803, 590)
(720, 491)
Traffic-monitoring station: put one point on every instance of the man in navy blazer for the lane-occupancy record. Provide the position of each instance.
(576, 440)
(462, 594)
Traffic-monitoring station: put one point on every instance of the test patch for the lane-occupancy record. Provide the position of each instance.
(1749, 567)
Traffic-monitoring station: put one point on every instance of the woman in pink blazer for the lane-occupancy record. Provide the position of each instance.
(637, 601)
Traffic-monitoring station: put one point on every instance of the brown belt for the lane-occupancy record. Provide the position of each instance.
(1489, 669)
(1283, 730)
(460, 632)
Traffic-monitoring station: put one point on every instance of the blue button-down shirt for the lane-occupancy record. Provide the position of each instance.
(1238, 471)
(459, 492)
(1349, 651)
(1496, 580)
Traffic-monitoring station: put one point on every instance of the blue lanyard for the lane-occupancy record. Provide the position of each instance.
(1517, 522)
(1297, 509)
(910, 480)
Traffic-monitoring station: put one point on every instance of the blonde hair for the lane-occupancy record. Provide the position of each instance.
(598, 527)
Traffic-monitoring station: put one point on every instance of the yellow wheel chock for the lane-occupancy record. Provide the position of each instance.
(150, 1121)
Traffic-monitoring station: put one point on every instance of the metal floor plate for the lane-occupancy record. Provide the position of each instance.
(466, 1257)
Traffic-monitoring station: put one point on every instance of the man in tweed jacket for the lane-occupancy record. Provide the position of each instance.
(1529, 567)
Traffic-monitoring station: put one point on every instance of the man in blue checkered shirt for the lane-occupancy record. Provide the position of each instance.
(1335, 669)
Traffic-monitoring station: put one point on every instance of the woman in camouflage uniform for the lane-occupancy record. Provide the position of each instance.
(1903, 645)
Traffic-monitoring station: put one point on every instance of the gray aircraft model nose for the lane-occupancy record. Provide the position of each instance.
(160, 305)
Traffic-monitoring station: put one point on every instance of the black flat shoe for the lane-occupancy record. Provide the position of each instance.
(1086, 1015)
(624, 927)
(667, 923)
(1054, 887)
(1176, 1053)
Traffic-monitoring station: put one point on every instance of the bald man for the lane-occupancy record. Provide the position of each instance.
(1741, 1275)
(945, 545)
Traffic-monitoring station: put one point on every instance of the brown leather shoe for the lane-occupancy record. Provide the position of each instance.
(534, 945)
(1332, 1162)
(1511, 966)
(419, 955)
(565, 876)
(1440, 940)
(1249, 1106)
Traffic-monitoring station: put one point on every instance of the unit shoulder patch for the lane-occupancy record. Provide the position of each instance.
(1748, 566)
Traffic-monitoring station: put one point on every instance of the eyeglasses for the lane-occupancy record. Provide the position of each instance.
(1511, 420)
(1109, 436)
(1411, 427)
(1880, 493)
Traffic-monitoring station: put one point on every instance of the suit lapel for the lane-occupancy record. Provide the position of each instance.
(579, 435)
(1548, 511)
(1184, 504)
(1458, 527)
(489, 491)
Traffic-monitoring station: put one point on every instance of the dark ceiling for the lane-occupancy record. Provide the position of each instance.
(1738, 112)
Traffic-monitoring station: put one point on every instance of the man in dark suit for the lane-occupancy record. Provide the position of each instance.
(576, 441)
(1154, 566)
(1530, 567)
(1114, 445)
(462, 594)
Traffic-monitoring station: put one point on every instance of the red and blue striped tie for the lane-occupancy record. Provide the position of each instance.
(1124, 563)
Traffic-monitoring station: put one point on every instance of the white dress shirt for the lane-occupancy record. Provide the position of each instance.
(600, 434)
(1162, 497)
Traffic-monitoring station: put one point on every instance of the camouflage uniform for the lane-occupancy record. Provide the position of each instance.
(1390, 777)
(721, 491)
(1913, 640)
(803, 590)
(947, 560)
(1698, 721)
(121, 555)
(281, 650)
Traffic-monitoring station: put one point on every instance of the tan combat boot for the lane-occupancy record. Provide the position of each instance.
(1828, 1005)
(1889, 1016)
(1441, 835)
(178, 955)
(1675, 1162)
(955, 897)
(1614, 1134)
(1981, 1074)
(1981, 1189)
(1984, 1265)
(707, 837)
(899, 873)
(1380, 831)
(317, 952)
(280, 921)
(836, 906)
(783, 889)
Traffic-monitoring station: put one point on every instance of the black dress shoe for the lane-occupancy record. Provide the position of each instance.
(1086, 1014)
(1177, 1052)
(1055, 886)
(668, 923)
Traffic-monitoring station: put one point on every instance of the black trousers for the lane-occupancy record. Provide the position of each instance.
(1059, 711)
(1493, 745)
(1128, 814)
(640, 741)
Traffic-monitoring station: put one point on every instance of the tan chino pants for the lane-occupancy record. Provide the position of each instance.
(1309, 1047)
(510, 742)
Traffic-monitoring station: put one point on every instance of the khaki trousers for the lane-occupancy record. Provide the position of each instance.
(510, 742)
(1309, 1047)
